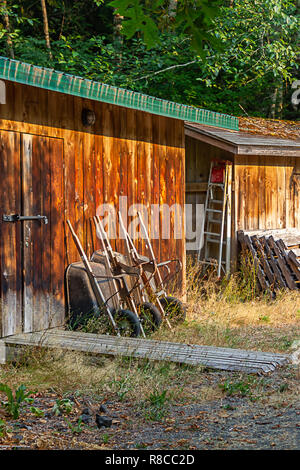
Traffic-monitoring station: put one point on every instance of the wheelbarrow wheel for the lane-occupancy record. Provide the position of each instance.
(150, 317)
(174, 309)
(128, 323)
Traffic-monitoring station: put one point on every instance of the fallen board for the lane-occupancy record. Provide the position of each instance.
(193, 354)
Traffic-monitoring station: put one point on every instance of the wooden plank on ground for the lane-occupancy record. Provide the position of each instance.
(296, 251)
(208, 356)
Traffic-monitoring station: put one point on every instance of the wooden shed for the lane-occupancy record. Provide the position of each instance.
(67, 146)
(266, 174)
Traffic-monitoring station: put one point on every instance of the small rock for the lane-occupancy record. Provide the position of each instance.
(103, 421)
(103, 409)
(85, 418)
(86, 411)
(18, 437)
(60, 427)
(25, 426)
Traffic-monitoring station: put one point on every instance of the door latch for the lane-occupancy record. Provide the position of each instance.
(18, 218)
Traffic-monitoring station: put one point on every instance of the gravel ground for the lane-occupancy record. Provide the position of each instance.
(211, 427)
(262, 415)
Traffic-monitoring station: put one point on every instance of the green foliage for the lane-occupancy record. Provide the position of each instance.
(250, 387)
(121, 386)
(3, 428)
(76, 428)
(283, 387)
(191, 17)
(235, 388)
(105, 438)
(204, 53)
(155, 406)
(15, 400)
(62, 406)
(37, 411)
(138, 20)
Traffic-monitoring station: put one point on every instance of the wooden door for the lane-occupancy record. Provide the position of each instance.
(32, 252)
(10, 234)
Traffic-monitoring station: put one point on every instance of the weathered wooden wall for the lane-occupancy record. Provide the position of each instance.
(126, 153)
(267, 192)
(266, 189)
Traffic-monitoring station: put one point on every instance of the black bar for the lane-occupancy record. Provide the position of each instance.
(18, 218)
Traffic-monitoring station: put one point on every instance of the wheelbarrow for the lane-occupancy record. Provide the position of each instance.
(172, 309)
(92, 290)
(127, 285)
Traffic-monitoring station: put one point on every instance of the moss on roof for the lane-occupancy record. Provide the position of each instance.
(270, 127)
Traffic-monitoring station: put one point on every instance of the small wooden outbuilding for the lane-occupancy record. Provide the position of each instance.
(266, 173)
(68, 145)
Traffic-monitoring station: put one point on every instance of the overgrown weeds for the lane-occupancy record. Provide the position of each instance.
(120, 378)
(155, 406)
(77, 427)
(62, 406)
(242, 286)
(4, 429)
(233, 313)
(15, 399)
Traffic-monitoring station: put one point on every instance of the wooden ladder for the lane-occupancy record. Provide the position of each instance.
(217, 213)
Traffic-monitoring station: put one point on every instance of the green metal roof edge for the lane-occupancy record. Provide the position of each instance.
(50, 79)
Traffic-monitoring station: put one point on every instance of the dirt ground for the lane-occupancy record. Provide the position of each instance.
(163, 405)
(225, 411)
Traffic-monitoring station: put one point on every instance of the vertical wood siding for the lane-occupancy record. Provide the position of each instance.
(266, 192)
(126, 153)
(10, 241)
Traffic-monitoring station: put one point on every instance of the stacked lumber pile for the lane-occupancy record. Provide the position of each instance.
(276, 259)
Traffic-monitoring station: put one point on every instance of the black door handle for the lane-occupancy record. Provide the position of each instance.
(18, 218)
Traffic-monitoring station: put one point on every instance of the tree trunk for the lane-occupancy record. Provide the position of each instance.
(273, 104)
(172, 10)
(46, 27)
(62, 21)
(117, 35)
(280, 102)
(9, 42)
(118, 38)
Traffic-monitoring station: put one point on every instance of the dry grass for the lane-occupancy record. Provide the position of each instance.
(231, 313)
(119, 378)
(221, 314)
